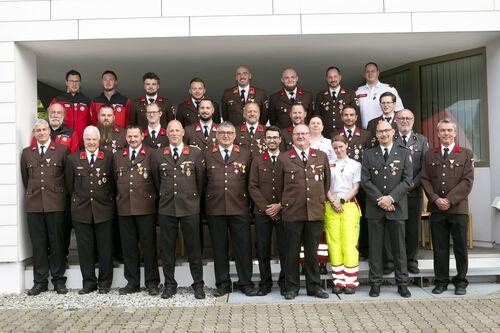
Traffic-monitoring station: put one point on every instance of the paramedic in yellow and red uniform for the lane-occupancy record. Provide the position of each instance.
(342, 215)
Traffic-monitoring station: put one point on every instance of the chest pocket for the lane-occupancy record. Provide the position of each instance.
(56, 168)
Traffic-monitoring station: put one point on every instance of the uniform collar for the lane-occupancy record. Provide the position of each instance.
(389, 148)
(450, 147)
(137, 150)
(45, 145)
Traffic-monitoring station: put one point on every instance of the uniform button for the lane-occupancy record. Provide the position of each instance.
(442, 192)
(130, 190)
(91, 174)
(305, 170)
(225, 166)
(175, 169)
(41, 173)
(274, 197)
(131, 169)
(273, 188)
(91, 199)
(385, 177)
(175, 176)
(385, 186)
(175, 193)
(90, 191)
(41, 180)
(385, 168)
(175, 184)
(225, 180)
(225, 174)
(442, 183)
(225, 188)
(308, 199)
(307, 178)
(444, 174)
(91, 183)
(307, 188)
(131, 183)
(43, 188)
(131, 176)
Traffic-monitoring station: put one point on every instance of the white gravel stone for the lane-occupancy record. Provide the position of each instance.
(51, 300)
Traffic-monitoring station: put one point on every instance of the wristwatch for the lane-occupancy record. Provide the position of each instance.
(342, 201)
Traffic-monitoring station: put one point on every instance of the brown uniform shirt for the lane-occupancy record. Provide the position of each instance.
(138, 112)
(195, 136)
(116, 142)
(330, 110)
(265, 183)
(136, 192)
(280, 106)
(451, 178)
(255, 143)
(232, 107)
(227, 184)
(91, 187)
(304, 187)
(180, 183)
(360, 141)
(43, 178)
(188, 115)
(161, 139)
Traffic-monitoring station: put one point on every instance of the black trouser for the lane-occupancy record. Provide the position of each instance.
(91, 237)
(310, 233)
(239, 226)
(363, 242)
(190, 225)
(67, 227)
(442, 225)
(396, 231)
(411, 233)
(263, 235)
(132, 230)
(47, 239)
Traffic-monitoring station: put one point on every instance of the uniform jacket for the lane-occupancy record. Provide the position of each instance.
(161, 139)
(121, 105)
(418, 146)
(227, 184)
(304, 187)
(91, 187)
(77, 107)
(255, 143)
(280, 106)
(188, 115)
(330, 110)
(194, 136)
(232, 108)
(138, 112)
(180, 184)
(359, 142)
(451, 178)
(379, 178)
(136, 192)
(265, 182)
(43, 178)
(287, 138)
(116, 142)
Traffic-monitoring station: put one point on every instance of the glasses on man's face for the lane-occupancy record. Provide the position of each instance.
(228, 133)
(73, 81)
(405, 118)
(272, 138)
(301, 134)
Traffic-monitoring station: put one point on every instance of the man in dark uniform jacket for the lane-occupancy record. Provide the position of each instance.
(112, 138)
(136, 205)
(180, 173)
(89, 181)
(447, 179)
(298, 116)
(228, 207)
(76, 104)
(331, 101)
(306, 180)
(280, 103)
(264, 186)
(388, 105)
(187, 111)
(202, 133)
(42, 172)
(233, 99)
(418, 146)
(386, 176)
(251, 134)
(138, 115)
(358, 140)
(155, 136)
(109, 95)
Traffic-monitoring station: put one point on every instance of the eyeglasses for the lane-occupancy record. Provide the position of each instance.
(73, 81)
(225, 133)
(301, 134)
(405, 118)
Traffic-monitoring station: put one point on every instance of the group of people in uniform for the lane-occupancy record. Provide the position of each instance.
(346, 165)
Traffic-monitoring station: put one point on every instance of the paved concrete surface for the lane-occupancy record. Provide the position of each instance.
(479, 311)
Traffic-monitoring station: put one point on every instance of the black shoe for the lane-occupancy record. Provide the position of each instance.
(337, 290)
(168, 292)
(199, 293)
(349, 291)
(439, 289)
(103, 290)
(388, 270)
(290, 295)
(248, 291)
(404, 292)
(282, 291)
(128, 289)
(60, 289)
(263, 291)
(219, 292)
(413, 270)
(153, 290)
(37, 289)
(87, 290)
(460, 291)
(374, 291)
(318, 294)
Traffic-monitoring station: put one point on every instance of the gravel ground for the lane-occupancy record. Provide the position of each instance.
(51, 300)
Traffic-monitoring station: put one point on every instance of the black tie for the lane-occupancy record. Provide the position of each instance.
(274, 159)
(292, 99)
(196, 103)
(151, 100)
(242, 96)
(404, 140)
(388, 119)
(386, 154)
(92, 160)
(251, 130)
(41, 151)
(226, 157)
(334, 95)
(445, 155)
(133, 155)
(205, 132)
(153, 134)
(176, 154)
(349, 134)
(304, 157)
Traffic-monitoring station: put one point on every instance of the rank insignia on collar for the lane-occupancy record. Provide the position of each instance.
(185, 150)
(292, 153)
(125, 152)
(312, 152)
(236, 148)
(166, 151)
(143, 150)
(100, 155)
(83, 155)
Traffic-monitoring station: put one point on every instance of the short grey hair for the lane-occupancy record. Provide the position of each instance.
(447, 121)
(92, 130)
(40, 122)
(226, 124)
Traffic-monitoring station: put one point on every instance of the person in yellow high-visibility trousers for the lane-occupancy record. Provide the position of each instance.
(342, 219)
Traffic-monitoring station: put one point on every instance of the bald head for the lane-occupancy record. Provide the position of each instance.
(385, 133)
(175, 132)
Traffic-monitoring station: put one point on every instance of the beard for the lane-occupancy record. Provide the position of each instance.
(106, 132)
